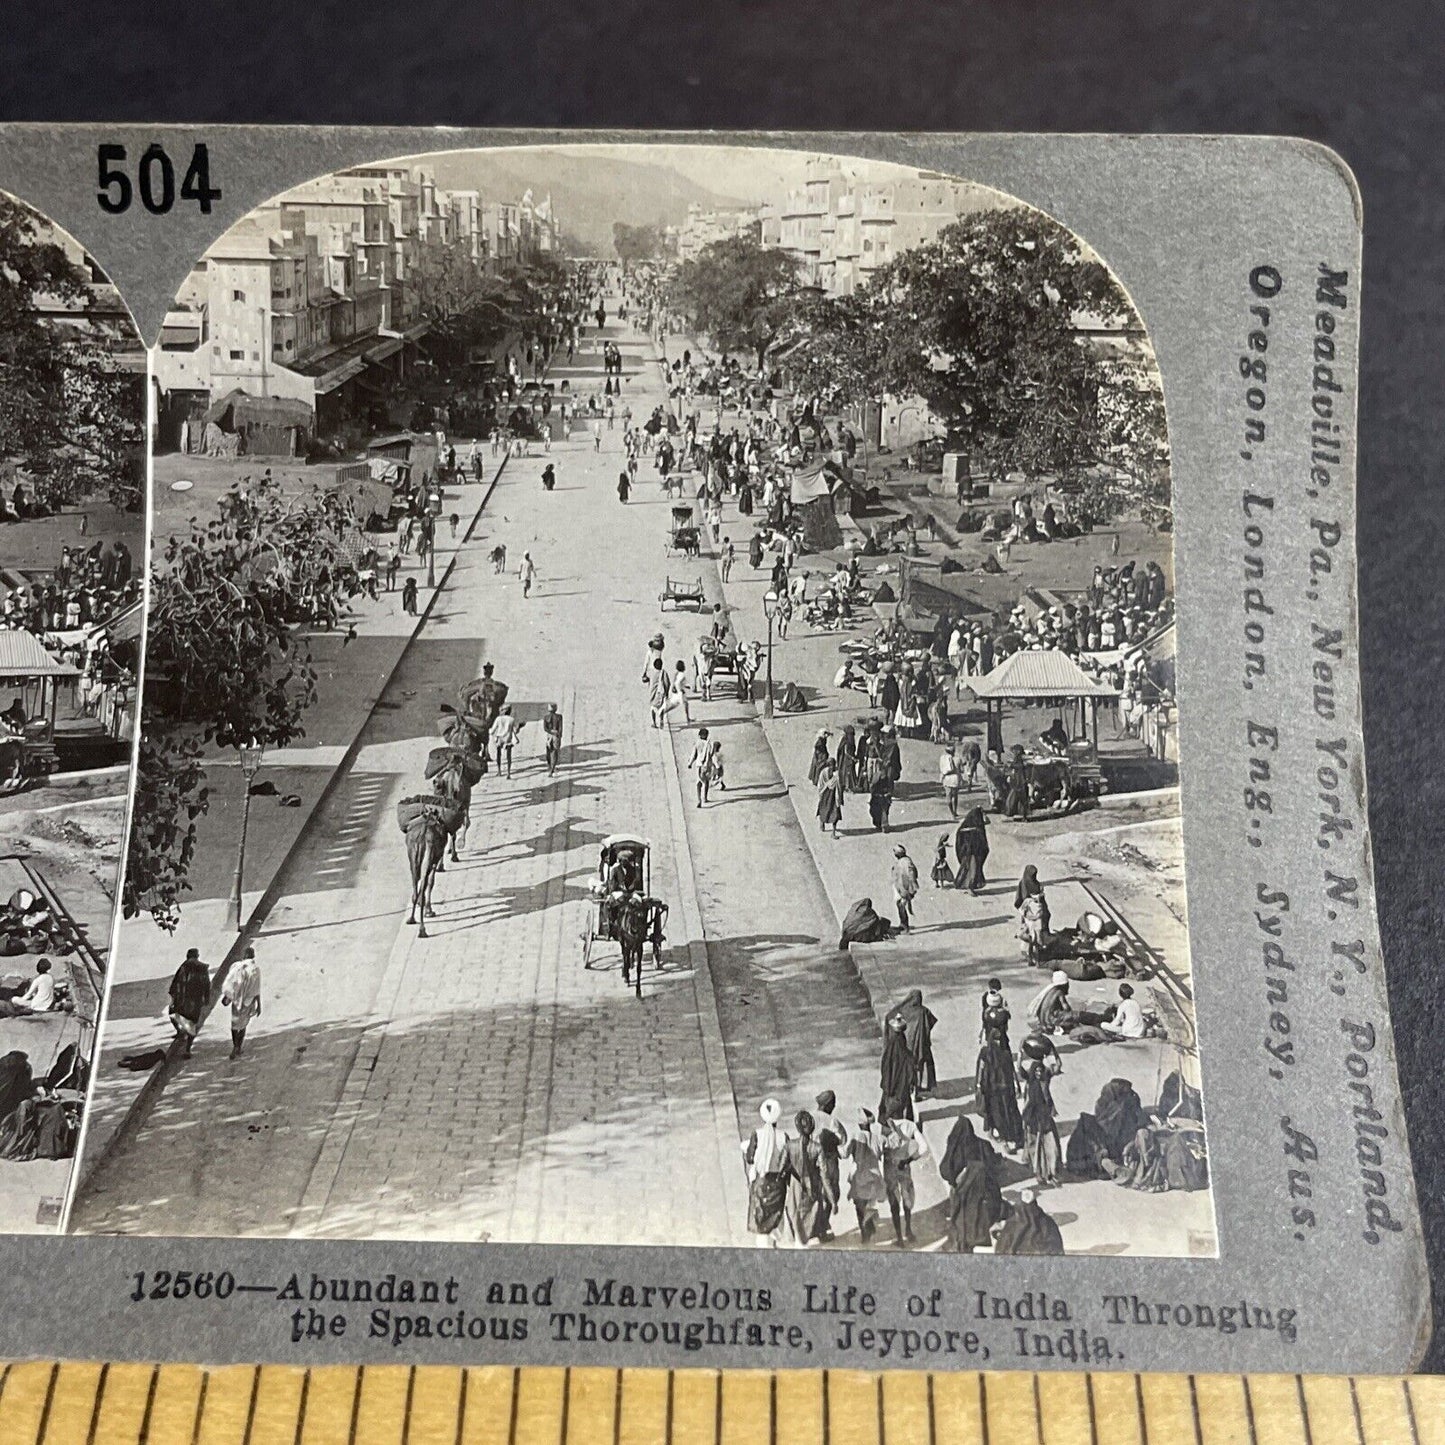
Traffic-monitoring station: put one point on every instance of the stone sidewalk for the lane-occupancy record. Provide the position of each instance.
(351, 677)
(1132, 855)
(481, 1083)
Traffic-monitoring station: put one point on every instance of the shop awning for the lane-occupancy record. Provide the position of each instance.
(1043, 673)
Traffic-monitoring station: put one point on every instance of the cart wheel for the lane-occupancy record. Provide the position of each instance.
(587, 937)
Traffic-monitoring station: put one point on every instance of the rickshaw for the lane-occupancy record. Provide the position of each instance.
(683, 536)
(621, 907)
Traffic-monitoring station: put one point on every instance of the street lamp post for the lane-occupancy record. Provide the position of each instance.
(770, 609)
(429, 531)
(250, 755)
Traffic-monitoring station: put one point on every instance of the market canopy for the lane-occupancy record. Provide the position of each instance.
(1043, 673)
(22, 655)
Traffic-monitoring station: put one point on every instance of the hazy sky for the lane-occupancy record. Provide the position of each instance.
(751, 173)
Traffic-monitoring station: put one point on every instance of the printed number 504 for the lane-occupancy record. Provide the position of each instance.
(155, 180)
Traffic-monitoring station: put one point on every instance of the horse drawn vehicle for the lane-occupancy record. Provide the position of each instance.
(622, 909)
(683, 538)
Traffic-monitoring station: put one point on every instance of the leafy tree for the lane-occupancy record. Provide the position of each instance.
(636, 243)
(227, 661)
(985, 324)
(68, 416)
(835, 350)
(738, 293)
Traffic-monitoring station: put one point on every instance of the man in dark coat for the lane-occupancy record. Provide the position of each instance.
(190, 992)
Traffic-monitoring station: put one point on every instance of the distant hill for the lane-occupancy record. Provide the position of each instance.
(588, 195)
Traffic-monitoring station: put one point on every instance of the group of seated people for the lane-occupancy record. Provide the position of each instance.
(40, 1118)
(1155, 1150)
(29, 925)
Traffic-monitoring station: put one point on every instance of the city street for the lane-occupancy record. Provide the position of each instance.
(480, 1084)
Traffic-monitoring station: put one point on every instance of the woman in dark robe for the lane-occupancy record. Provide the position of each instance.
(970, 843)
(847, 761)
(898, 1072)
(880, 800)
(1041, 1134)
(808, 1209)
(1097, 1145)
(997, 1090)
(745, 499)
(892, 755)
(755, 551)
(16, 1081)
(918, 1022)
(862, 924)
(970, 1169)
(820, 755)
(624, 485)
(1029, 1229)
(1016, 800)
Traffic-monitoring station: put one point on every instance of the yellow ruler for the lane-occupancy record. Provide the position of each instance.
(80, 1404)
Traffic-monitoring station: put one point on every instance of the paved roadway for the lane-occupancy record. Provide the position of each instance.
(481, 1085)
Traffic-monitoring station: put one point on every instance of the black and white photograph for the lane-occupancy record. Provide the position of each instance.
(659, 724)
(72, 533)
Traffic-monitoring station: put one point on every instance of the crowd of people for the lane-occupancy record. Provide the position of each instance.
(799, 1181)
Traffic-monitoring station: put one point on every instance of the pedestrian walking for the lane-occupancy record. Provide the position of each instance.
(1041, 1134)
(408, 597)
(903, 1145)
(679, 690)
(505, 731)
(659, 693)
(918, 1021)
(832, 1136)
(830, 797)
(950, 777)
(942, 871)
(528, 573)
(1032, 908)
(970, 844)
(765, 1156)
(624, 484)
(393, 565)
(552, 737)
(546, 437)
(707, 762)
(597, 439)
(970, 1168)
(897, 1072)
(996, 1088)
(454, 521)
(820, 754)
(549, 477)
(904, 877)
(499, 559)
(729, 556)
(866, 1187)
(807, 1207)
(190, 992)
(243, 996)
(880, 801)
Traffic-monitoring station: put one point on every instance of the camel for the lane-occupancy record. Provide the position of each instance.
(425, 822)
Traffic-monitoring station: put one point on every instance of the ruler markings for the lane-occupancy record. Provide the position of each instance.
(45, 1403)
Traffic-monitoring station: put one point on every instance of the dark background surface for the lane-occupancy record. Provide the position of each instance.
(1363, 79)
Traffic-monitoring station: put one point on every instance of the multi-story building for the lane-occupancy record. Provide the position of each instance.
(302, 297)
(803, 213)
(703, 227)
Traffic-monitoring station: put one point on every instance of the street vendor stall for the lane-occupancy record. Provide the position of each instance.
(1050, 677)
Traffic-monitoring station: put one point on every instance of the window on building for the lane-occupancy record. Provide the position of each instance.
(238, 356)
(238, 295)
(255, 356)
